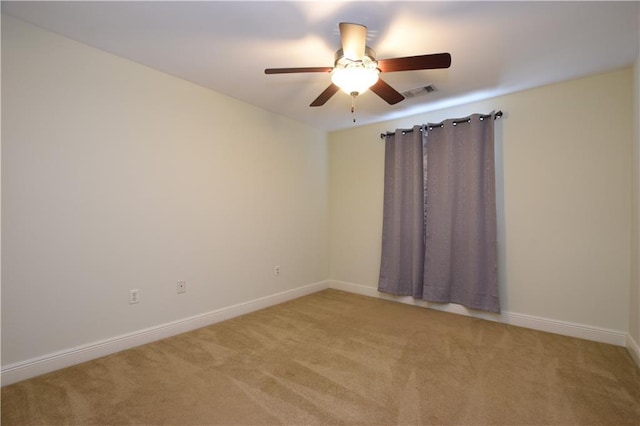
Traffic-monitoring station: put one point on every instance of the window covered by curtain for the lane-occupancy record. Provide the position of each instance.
(452, 240)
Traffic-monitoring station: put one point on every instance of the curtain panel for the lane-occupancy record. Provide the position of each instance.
(452, 240)
(402, 266)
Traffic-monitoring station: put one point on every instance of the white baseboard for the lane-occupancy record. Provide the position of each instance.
(44, 364)
(521, 320)
(633, 349)
(23, 370)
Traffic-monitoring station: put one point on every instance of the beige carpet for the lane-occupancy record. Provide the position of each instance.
(337, 358)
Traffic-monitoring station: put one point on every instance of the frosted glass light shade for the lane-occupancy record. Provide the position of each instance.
(354, 79)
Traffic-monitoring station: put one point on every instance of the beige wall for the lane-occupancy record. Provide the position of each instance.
(634, 295)
(564, 179)
(116, 176)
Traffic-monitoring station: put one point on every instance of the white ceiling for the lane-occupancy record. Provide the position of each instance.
(496, 47)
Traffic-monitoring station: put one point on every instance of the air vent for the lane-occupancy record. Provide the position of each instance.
(419, 91)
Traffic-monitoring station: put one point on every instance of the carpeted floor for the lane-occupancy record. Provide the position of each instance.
(337, 358)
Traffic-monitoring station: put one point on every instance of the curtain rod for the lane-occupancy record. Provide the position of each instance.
(497, 115)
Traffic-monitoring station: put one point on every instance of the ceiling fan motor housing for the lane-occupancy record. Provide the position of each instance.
(369, 56)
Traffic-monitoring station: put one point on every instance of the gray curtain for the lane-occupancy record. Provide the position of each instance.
(457, 228)
(402, 266)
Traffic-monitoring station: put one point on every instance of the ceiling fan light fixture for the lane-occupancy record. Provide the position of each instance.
(354, 78)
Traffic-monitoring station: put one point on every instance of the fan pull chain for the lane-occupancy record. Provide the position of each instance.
(353, 105)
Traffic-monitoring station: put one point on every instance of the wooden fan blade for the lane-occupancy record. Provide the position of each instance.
(412, 63)
(354, 40)
(386, 92)
(296, 70)
(325, 96)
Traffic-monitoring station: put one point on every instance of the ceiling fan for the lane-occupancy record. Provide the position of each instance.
(356, 68)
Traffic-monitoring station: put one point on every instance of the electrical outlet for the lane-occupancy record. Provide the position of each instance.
(134, 296)
(276, 270)
(182, 287)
